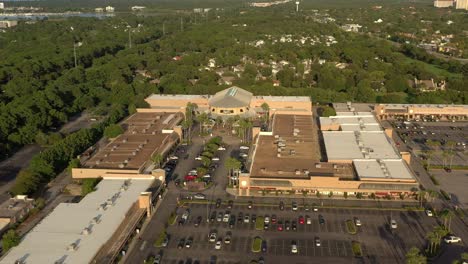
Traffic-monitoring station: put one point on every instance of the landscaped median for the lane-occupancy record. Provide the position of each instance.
(351, 227)
(172, 219)
(257, 244)
(159, 241)
(357, 250)
(260, 223)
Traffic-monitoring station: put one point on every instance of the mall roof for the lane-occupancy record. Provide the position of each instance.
(285, 98)
(390, 169)
(231, 98)
(144, 134)
(404, 106)
(352, 121)
(74, 232)
(291, 151)
(349, 145)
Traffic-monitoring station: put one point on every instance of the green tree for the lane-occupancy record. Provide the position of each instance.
(88, 185)
(113, 131)
(10, 239)
(413, 256)
(233, 165)
(327, 111)
(266, 112)
(157, 158)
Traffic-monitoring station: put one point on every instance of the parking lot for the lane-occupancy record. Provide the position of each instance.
(379, 243)
(455, 184)
(416, 135)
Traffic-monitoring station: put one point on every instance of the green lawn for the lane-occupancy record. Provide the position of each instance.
(434, 69)
(357, 250)
(172, 219)
(260, 223)
(351, 227)
(256, 244)
(160, 239)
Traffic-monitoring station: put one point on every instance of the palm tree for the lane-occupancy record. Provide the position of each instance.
(202, 119)
(432, 194)
(413, 256)
(447, 215)
(157, 159)
(233, 165)
(189, 113)
(445, 155)
(428, 154)
(433, 240)
(451, 154)
(266, 109)
(218, 121)
(230, 121)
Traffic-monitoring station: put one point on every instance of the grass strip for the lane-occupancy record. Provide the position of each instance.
(351, 227)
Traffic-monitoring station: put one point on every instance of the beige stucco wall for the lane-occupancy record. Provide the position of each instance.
(236, 111)
(257, 102)
(171, 103)
(81, 173)
(331, 127)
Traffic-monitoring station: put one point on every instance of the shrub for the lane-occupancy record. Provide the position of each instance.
(351, 227)
(172, 219)
(434, 180)
(257, 244)
(445, 195)
(10, 239)
(88, 185)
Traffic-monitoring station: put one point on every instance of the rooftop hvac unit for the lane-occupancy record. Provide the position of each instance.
(351, 109)
(278, 150)
(125, 140)
(318, 165)
(134, 153)
(280, 172)
(295, 134)
(298, 172)
(348, 103)
(335, 166)
(276, 136)
(102, 207)
(366, 156)
(278, 155)
(106, 155)
(86, 231)
(153, 133)
(121, 165)
(72, 247)
(134, 132)
(96, 219)
(306, 172)
(296, 130)
(98, 162)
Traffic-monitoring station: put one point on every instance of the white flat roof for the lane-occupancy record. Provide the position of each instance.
(285, 98)
(349, 145)
(353, 121)
(382, 169)
(176, 96)
(50, 240)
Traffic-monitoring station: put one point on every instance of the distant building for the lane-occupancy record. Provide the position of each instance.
(427, 85)
(226, 80)
(351, 27)
(109, 9)
(462, 4)
(138, 8)
(443, 3)
(8, 23)
(421, 111)
(99, 10)
(2, 5)
(14, 210)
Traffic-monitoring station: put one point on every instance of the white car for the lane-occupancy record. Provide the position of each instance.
(267, 219)
(243, 155)
(221, 148)
(218, 244)
(226, 218)
(199, 196)
(452, 239)
(429, 213)
(198, 158)
(212, 237)
(317, 242)
(357, 221)
(393, 224)
(308, 220)
(315, 209)
(246, 219)
(173, 158)
(215, 159)
(244, 147)
(294, 248)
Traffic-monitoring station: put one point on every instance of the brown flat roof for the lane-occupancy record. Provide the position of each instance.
(291, 151)
(143, 135)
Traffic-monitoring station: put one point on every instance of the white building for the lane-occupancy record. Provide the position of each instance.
(2, 5)
(138, 8)
(443, 3)
(99, 10)
(109, 9)
(462, 4)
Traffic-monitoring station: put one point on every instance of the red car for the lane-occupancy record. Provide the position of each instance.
(301, 220)
(190, 177)
(280, 226)
(273, 219)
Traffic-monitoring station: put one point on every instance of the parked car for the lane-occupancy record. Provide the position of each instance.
(246, 219)
(190, 177)
(198, 158)
(357, 221)
(294, 225)
(243, 155)
(215, 158)
(221, 148)
(301, 220)
(294, 247)
(199, 196)
(244, 147)
(218, 243)
(294, 206)
(226, 217)
(230, 204)
(218, 203)
(181, 243)
(250, 205)
(280, 226)
(281, 206)
(308, 220)
(198, 221)
(212, 236)
(317, 242)
(264, 246)
(188, 243)
(321, 220)
(393, 224)
(452, 239)
(429, 212)
(286, 225)
(227, 238)
(273, 219)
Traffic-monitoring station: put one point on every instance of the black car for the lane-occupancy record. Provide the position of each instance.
(198, 221)
(232, 222)
(213, 216)
(264, 246)
(181, 243)
(240, 218)
(218, 203)
(253, 218)
(294, 225)
(250, 205)
(286, 225)
(281, 206)
(230, 204)
(266, 226)
(321, 220)
(188, 243)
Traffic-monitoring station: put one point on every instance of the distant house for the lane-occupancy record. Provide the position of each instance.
(193, 81)
(155, 81)
(8, 23)
(226, 80)
(276, 83)
(109, 9)
(427, 85)
(351, 27)
(99, 10)
(443, 3)
(14, 210)
(176, 58)
(138, 8)
(211, 63)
